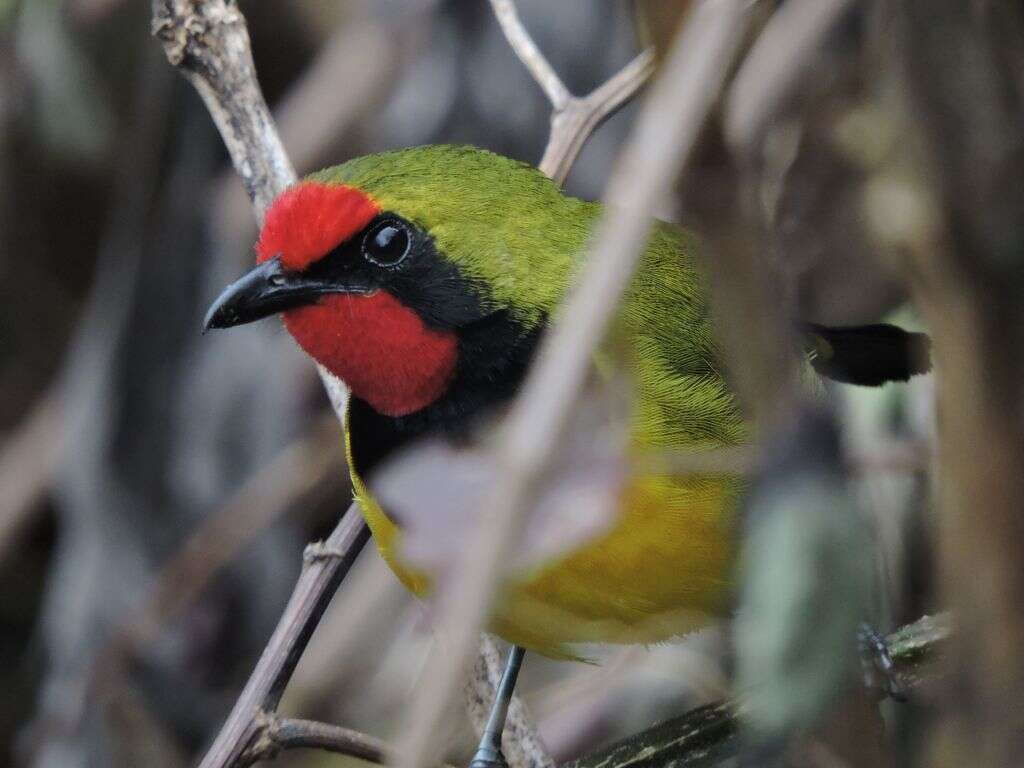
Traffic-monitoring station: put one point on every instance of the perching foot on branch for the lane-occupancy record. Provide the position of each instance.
(488, 753)
(877, 665)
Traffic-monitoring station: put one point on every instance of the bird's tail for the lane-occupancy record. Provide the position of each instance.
(869, 355)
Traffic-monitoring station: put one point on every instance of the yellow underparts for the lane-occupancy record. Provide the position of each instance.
(660, 571)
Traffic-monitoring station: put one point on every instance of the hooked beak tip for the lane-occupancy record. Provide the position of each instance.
(248, 298)
(213, 319)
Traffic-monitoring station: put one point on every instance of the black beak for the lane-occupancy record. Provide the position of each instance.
(267, 290)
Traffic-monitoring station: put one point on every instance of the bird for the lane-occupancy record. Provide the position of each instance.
(423, 278)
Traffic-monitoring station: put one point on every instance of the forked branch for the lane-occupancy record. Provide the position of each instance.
(573, 118)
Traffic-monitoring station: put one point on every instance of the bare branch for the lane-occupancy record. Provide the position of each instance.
(324, 566)
(660, 144)
(275, 734)
(573, 118)
(572, 125)
(528, 52)
(209, 44)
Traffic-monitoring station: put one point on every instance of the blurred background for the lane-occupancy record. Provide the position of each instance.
(157, 486)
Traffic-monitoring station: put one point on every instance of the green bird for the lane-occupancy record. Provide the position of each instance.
(423, 279)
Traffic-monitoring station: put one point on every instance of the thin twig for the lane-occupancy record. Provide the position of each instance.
(528, 52)
(208, 43)
(572, 125)
(666, 132)
(573, 118)
(277, 734)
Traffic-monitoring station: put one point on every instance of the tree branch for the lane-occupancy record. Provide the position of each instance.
(275, 734)
(708, 736)
(528, 52)
(573, 118)
(208, 43)
(325, 564)
(572, 125)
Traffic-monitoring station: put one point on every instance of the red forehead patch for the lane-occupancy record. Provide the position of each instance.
(311, 219)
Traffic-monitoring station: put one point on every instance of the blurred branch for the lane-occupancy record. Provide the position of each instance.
(298, 469)
(658, 148)
(776, 64)
(960, 222)
(707, 737)
(573, 118)
(27, 461)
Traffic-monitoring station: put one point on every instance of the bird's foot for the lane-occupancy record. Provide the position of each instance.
(488, 754)
(877, 665)
(488, 757)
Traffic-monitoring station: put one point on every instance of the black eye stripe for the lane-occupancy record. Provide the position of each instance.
(387, 243)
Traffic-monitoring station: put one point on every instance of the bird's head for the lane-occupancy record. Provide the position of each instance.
(388, 269)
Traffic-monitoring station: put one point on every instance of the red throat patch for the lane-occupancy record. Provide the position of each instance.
(311, 219)
(379, 347)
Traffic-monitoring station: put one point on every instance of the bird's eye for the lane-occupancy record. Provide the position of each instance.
(387, 243)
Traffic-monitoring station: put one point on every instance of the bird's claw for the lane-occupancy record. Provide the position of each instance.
(877, 665)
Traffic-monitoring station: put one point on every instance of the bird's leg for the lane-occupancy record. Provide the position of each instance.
(488, 753)
(876, 664)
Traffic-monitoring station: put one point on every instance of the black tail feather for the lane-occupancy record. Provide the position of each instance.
(869, 355)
